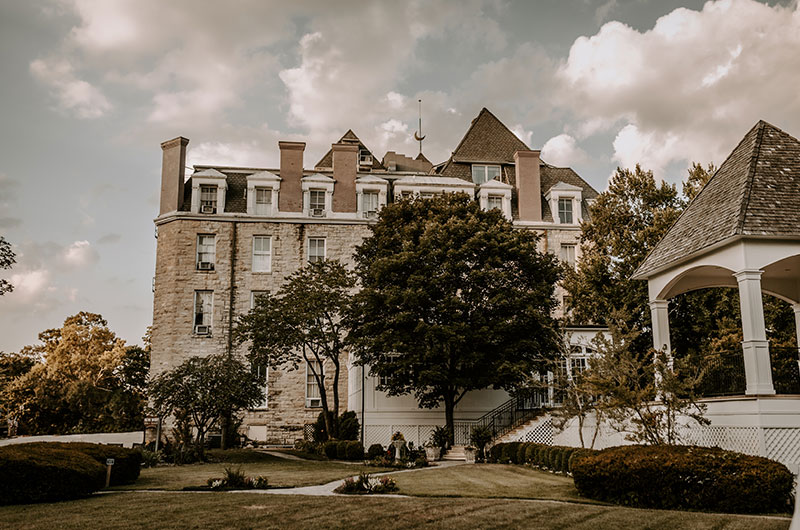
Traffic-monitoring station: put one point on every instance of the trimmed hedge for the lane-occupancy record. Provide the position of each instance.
(341, 450)
(684, 477)
(127, 462)
(375, 451)
(330, 449)
(39, 472)
(553, 457)
(355, 451)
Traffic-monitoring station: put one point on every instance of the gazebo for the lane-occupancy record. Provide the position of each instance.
(742, 230)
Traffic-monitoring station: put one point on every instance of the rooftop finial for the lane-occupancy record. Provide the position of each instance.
(418, 136)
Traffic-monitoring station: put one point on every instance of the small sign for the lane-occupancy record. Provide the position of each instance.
(109, 461)
(151, 421)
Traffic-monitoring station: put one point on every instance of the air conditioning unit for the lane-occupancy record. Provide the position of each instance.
(202, 330)
(313, 403)
(317, 212)
(366, 161)
(205, 266)
(371, 214)
(207, 209)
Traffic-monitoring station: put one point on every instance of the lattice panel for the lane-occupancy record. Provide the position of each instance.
(308, 431)
(783, 445)
(540, 433)
(425, 432)
(377, 434)
(740, 439)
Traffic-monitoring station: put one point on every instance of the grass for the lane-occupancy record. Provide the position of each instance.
(121, 510)
(279, 471)
(489, 481)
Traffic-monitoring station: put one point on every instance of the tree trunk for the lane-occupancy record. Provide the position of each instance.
(224, 426)
(449, 407)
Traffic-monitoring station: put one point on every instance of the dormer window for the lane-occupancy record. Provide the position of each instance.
(369, 204)
(565, 211)
(484, 173)
(364, 158)
(494, 201)
(316, 203)
(208, 199)
(263, 201)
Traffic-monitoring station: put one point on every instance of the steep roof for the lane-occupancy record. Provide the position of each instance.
(348, 138)
(755, 192)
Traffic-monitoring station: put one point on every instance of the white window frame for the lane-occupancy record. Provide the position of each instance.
(209, 177)
(317, 182)
(262, 207)
(370, 184)
(563, 251)
(324, 248)
(267, 254)
(310, 379)
(495, 188)
(208, 318)
(212, 254)
(566, 201)
(484, 168)
(320, 203)
(263, 180)
(566, 192)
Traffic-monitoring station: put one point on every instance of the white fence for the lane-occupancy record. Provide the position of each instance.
(125, 439)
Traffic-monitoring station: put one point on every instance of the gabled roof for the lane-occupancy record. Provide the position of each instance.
(264, 175)
(348, 138)
(755, 192)
(209, 173)
(318, 177)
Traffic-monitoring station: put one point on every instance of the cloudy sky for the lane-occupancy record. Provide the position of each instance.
(90, 89)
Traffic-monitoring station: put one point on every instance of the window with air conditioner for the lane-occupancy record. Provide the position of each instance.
(262, 253)
(364, 158)
(263, 201)
(316, 249)
(494, 201)
(568, 254)
(483, 173)
(208, 199)
(203, 312)
(316, 203)
(206, 252)
(369, 204)
(565, 211)
(313, 399)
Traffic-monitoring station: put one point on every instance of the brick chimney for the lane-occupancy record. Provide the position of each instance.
(173, 164)
(290, 198)
(345, 167)
(529, 185)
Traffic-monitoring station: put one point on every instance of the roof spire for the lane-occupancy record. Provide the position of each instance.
(418, 136)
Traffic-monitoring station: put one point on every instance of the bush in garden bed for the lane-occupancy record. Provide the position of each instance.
(551, 457)
(235, 479)
(365, 484)
(684, 477)
(40, 472)
(375, 451)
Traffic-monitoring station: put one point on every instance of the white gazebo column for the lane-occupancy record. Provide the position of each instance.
(659, 314)
(796, 309)
(757, 367)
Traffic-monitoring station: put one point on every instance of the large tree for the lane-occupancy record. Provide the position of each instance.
(302, 325)
(84, 379)
(205, 389)
(453, 299)
(7, 259)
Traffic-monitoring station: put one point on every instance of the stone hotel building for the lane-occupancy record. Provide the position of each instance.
(226, 234)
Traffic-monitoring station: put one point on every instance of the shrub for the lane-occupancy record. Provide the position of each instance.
(530, 453)
(330, 449)
(480, 437)
(355, 451)
(341, 450)
(521, 452)
(320, 432)
(495, 453)
(349, 429)
(684, 477)
(440, 437)
(365, 484)
(375, 451)
(577, 454)
(40, 472)
(509, 454)
(235, 479)
(150, 458)
(127, 462)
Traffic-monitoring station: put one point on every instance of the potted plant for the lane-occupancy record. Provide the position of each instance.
(399, 443)
(480, 437)
(440, 437)
(469, 453)
(432, 452)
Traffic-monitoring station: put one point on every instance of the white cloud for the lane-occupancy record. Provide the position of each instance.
(79, 254)
(522, 133)
(74, 96)
(689, 88)
(29, 284)
(563, 150)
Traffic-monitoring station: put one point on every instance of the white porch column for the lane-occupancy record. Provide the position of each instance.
(796, 309)
(757, 368)
(659, 314)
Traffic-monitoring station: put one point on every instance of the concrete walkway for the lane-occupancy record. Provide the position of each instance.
(327, 489)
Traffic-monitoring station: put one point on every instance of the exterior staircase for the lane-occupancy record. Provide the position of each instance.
(538, 429)
(455, 453)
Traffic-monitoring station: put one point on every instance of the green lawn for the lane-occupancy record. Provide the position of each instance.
(489, 481)
(279, 471)
(122, 510)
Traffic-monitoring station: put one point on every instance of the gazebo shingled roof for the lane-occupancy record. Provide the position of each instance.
(755, 193)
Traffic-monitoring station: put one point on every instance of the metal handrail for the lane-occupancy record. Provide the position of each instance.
(514, 412)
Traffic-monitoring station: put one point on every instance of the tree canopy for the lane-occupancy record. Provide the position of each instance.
(303, 324)
(7, 260)
(81, 378)
(453, 299)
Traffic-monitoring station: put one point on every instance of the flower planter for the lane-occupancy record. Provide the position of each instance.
(470, 453)
(433, 453)
(399, 449)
